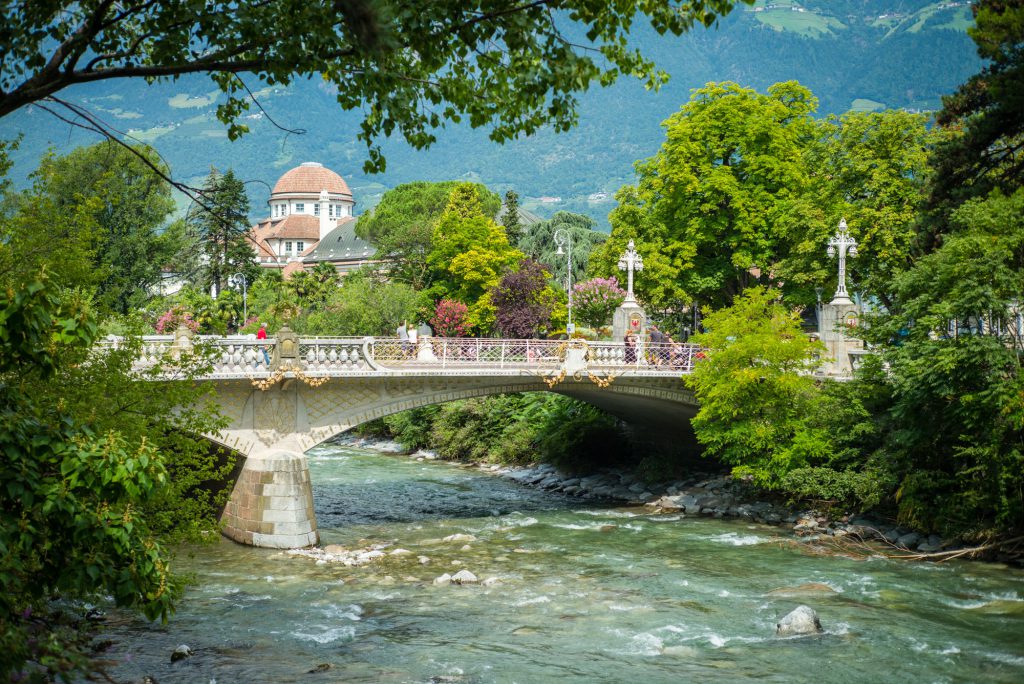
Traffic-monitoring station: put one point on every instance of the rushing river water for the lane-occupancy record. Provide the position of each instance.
(583, 595)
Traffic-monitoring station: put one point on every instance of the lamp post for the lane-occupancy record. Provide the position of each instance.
(238, 280)
(564, 239)
(842, 244)
(630, 261)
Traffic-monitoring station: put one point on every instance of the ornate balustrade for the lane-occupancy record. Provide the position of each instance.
(328, 356)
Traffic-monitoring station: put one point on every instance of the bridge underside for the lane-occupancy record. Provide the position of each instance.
(272, 504)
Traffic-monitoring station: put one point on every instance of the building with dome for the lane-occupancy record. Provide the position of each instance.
(311, 221)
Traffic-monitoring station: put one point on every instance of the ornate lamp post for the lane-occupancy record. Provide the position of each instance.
(842, 244)
(630, 261)
(238, 280)
(564, 239)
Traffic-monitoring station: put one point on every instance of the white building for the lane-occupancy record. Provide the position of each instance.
(310, 205)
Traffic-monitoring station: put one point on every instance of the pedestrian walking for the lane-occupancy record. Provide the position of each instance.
(261, 334)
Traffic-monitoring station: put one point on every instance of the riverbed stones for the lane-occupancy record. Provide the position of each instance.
(801, 621)
(464, 577)
(460, 538)
(181, 653)
(443, 579)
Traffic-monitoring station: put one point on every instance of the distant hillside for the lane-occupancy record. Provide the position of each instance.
(854, 54)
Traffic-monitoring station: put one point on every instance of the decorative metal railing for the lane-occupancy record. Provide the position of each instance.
(328, 356)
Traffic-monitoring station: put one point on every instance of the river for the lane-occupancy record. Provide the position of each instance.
(583, 594)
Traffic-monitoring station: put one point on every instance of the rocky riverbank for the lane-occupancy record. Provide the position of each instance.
(716, 495)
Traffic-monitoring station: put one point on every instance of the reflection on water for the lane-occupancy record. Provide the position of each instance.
(581, 594)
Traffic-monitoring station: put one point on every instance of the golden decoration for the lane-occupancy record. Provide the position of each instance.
(279, 374)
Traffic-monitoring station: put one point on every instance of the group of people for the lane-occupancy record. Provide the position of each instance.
(408, 337)
(661, 349)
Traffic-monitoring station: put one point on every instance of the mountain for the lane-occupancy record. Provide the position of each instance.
(853, 54)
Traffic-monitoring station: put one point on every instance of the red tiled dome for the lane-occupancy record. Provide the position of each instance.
(311, 178)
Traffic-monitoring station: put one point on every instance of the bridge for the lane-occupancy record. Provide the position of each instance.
(284, 395)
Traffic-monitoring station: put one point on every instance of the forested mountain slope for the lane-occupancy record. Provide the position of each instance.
(851, 53)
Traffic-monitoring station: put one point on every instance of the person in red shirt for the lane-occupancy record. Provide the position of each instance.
(262, 335)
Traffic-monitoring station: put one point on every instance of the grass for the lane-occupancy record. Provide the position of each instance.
(928, 18)
(186, 101)
(865, 105)
(808, 24)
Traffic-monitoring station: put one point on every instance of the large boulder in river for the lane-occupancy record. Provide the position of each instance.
(464, 577)
(181, 653)
(803, 620)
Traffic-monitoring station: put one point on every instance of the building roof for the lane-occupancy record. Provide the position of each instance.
(310, 178)
(291, 227)
(526, 218)
(341, 244)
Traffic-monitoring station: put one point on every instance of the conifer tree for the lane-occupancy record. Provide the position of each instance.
(513, 226)
(221, 223)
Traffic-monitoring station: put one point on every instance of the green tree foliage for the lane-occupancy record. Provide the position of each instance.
(221, 224)
(130, 206)
(401, 227)
(539, 243)
(755, 390)
(484, 62)
(872, 170)
(470, 254)
(720, 195)
(363, 306)
(515, 428)
(523, 301)
(989, 112)
(69, 492)
(957, 414)
(510, 218)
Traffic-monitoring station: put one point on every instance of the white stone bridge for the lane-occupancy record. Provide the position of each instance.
(306, 390)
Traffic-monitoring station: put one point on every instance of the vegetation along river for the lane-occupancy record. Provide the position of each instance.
(583, 594)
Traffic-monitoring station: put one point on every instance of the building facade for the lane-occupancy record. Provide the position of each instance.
(311, 221)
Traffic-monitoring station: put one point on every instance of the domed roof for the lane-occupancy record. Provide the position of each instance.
(311, 178)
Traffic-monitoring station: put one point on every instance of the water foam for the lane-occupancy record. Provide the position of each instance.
(328, 636)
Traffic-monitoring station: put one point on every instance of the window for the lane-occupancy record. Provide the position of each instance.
(299, 246)
(287, 248)
(300, 207)
(330, 211)
(316, 209)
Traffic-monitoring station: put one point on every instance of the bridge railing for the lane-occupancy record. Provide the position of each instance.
(337, 355)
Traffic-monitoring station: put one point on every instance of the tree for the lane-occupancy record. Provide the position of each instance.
(410, 67)
(988, 111)
(720, 195)
(449, 319)
(221, 224)
(510, 218)
(871, 169)
(957, 416)
(540, 244)
(470, 254)
(401, 227)
(523, 301)
(130, 205)
(755, 388)
(363, 306)
(595, 300)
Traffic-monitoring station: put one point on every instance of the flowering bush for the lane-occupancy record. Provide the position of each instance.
(174, 317)
(594, 301)
(450, 319)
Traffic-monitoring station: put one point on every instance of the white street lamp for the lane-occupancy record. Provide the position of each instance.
(563, 238)
(842, 244)
(238, 280)
(630, 261)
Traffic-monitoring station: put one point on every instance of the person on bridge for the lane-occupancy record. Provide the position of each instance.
(414, 338)
(403, 337)
(630, 343)
(262, 335)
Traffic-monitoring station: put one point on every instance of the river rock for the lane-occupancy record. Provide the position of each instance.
(181, 653)
(423, 559)
(490, 582)
(909, 540)
(464, 577)
(400, 552)
(443, 579)
(803, 620)
(460, 538)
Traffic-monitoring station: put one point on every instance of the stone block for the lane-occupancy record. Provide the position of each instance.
(287, 503)
(293, 528)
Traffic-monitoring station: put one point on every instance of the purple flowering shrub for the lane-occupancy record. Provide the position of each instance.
(594, 301)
